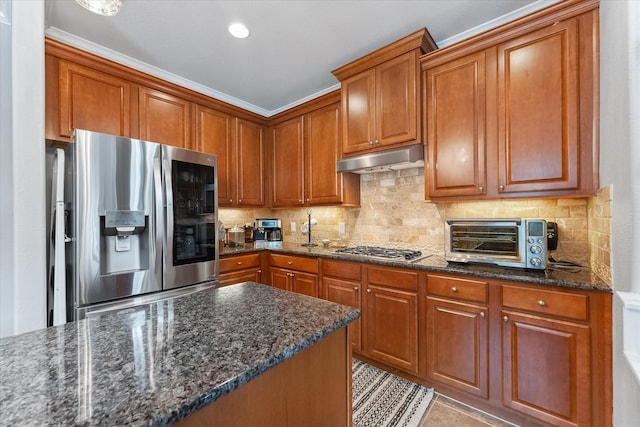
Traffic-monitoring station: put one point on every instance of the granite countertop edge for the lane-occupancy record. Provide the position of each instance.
(234, 383)
(437, 263)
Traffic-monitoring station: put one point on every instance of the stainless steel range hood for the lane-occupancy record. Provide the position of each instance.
(411, 156)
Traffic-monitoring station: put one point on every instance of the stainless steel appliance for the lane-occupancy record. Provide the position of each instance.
(140, 220)
(267, 232)
(389, 254)
(510, 242)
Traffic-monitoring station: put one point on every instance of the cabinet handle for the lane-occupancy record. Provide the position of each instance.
(239, 262)
(541, 303)
(377, 142)
(454, 289)
(501, 188)
(290, 262)
(481, 189)
(482, 314)
(356, 288)
(505, 318)
(368, 291)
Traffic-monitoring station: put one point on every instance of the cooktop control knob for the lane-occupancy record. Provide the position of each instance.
(536, 262)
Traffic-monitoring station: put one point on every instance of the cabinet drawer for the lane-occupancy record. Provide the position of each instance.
(341, 269)
(392, 277)
(240, 262)
(310, 265)
(451, 287)
(573, 306)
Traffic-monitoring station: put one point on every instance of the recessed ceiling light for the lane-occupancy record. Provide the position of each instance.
(239, 30)
(101, 7)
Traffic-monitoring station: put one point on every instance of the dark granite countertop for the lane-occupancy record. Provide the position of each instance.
(158, 363)
(581, 278)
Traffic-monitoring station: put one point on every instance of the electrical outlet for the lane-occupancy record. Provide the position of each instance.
(342, 229)
(293, 226)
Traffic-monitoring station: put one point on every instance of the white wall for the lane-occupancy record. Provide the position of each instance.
(619, 160)
(22, 226)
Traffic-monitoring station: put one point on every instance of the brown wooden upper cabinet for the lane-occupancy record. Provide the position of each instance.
(303, 156)
(513, 113)
(164, 118)
(380, 95)
(87, 99)
(239, 145)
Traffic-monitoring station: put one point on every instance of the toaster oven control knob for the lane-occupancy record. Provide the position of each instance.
(535, 249)
(531, 240)
(536, 262)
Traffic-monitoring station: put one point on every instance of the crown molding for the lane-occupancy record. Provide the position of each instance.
(496, 22)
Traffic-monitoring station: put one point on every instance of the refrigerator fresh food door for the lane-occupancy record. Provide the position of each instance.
(115, 213)
(191, 250)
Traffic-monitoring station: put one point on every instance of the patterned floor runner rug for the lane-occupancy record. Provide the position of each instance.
(385, 400)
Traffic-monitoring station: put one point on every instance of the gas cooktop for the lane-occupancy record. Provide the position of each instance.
(383, 253)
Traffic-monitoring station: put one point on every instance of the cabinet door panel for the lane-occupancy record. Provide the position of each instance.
(279, 278)
(346, 293)
(457, 345)
(322, 150)
(304, 283)
(214, 135)
(396, 100)
(250, 160)
(546, 369)
(538, 117)
(358, 111)
(92, 100)
(286, 163)
(164, 118)
(392, 325)
(456, 117)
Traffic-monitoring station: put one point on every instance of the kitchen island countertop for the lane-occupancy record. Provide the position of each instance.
(160, 362)
(577, 278)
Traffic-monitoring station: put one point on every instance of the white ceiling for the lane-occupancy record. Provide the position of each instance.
(293, 46)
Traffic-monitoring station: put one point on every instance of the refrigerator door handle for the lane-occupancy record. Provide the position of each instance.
(159, 214)
(60, 238)
(169, 225)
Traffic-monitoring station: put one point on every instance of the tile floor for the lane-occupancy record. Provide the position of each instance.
(446, 412)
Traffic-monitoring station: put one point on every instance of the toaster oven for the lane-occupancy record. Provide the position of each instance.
(509, 242)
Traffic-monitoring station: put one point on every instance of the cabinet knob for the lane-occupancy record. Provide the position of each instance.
(454, 289)
(370, 142)
(377, 142)
(290, 262)
(308, 200)
(260, 270)
(541, 303)
(230, 200)
(356, 288)
(239, 262)
(482, 314)
(505, 318)
(300, 201)
(368, 291)
(481, 189)
(239, 200)
(501, 188)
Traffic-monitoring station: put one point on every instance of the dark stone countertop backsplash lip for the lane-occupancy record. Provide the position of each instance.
(161, 362)
(583, 279)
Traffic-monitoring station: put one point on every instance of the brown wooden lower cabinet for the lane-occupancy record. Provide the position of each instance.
(458, 345)
(293, 273)
(533, 354)
(547, 368)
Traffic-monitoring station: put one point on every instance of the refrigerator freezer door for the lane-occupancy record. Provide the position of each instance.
(115, 187)
(191, 250)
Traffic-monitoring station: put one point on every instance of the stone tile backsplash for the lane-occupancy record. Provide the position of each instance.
(393, 212)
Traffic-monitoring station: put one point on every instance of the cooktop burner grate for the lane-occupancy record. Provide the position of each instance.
(383, 253)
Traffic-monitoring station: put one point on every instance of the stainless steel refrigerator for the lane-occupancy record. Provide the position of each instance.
(137, 223)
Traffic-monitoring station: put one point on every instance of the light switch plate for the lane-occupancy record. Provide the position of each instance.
(342, 229)
(293, 226)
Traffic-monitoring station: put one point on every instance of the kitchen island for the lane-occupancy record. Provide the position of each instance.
(163, 362)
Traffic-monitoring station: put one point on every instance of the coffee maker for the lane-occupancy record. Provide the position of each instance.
(267, 232)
